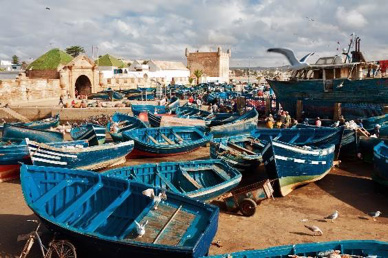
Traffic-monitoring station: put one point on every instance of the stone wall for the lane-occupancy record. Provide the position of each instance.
(46, 74)
(213, 64)
(24, 88)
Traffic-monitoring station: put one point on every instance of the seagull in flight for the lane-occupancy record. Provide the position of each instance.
(289, 54)
(48, 8)
(310, 19)
(333, 216)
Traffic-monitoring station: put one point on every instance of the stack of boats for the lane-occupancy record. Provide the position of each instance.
(158, 209)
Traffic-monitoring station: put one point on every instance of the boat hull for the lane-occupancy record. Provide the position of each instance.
(361, 95)
(354, 248)
(14, 132)
(380, 157)
(293, 166)
(94, 134)
(199, 179)
(9, 172)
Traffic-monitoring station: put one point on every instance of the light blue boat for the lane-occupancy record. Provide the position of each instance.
(380, 159)
(125, 123)
(19, 133)
(199, 179)
(351, 248)
(101, 213)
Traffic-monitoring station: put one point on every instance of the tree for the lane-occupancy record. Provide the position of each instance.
(15, 59)
(198, 74)
(75, 50)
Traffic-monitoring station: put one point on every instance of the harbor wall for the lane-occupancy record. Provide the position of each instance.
(66, 114)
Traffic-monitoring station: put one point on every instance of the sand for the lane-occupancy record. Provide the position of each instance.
(276, 222)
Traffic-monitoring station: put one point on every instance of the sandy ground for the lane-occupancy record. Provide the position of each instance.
(276, 222)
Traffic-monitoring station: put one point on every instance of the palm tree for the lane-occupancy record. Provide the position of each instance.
(198, 74)
(75, 50)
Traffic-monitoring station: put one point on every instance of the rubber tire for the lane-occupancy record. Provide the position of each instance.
(61, 249)
(248, 207)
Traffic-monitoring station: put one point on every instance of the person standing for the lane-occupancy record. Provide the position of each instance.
(61, 103)
(270, 121)
(318, 122)
(199, 103)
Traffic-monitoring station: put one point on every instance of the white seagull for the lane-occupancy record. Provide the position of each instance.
(289, 54)
(315, 230)
(375, 214)
(333, 216)
(155, 198)
(140, 228)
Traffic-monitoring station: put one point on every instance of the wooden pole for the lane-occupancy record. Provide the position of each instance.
(337, 111)
(268, 103)
(299, 109)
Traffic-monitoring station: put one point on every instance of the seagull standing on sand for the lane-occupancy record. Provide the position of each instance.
(315, 230)
(333, 216)
(375, 214)
(155, 198)
(289, 54)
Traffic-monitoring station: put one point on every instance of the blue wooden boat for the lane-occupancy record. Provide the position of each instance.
(91, 158)
(107, 95)
(167, 141)
(100, 213)
(125, 123)
(347, 248)
(241, 125)
(19, 133)
(242, 152)
(43, 124)
(370, 122)
(137, 109)
(154, 119)
(293, 166)
(94, 133)
(312, 136)
(11, 156)
(380, 156)
(191, 112)
(200, 179)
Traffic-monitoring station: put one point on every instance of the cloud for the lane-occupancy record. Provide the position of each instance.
(162, 29)
(351, 18)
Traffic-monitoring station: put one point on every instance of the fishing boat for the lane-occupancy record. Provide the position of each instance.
(125, 123)
(154, 119)
(191, 112)
(311, 136)
(242, 152)
(199, 179)
(155, 109)
(342, 248)
(114, 217)
(19, 133)
(293, 166)
(91, 158)
(241, 125)
(110, 95)
(13, 154)
(366, 147)
(380, 158)
(43, 124)
(369, 123)
(94, 133)
(167, 141)
(331, 80)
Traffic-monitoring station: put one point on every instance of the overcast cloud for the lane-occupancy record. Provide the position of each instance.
(162, 29)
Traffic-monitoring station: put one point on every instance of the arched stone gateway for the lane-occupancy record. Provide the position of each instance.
(83, 85)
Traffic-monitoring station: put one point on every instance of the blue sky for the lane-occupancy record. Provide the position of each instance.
(159, 29)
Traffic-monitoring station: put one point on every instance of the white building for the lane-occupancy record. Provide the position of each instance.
(6, 65)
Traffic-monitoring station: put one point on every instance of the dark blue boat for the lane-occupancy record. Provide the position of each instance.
(191, 112)
(11, 156)
(242, 152)
(154, 119)
(124, 123)
(43, 124)
(380, 173)
(293, 166)
(370, 122)
(95, 134)
(200, 179)
(90, 158)
(107, 95)
(166, 141)
(101, 213)
(19, 133)
(240, 125)
(347, 248)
